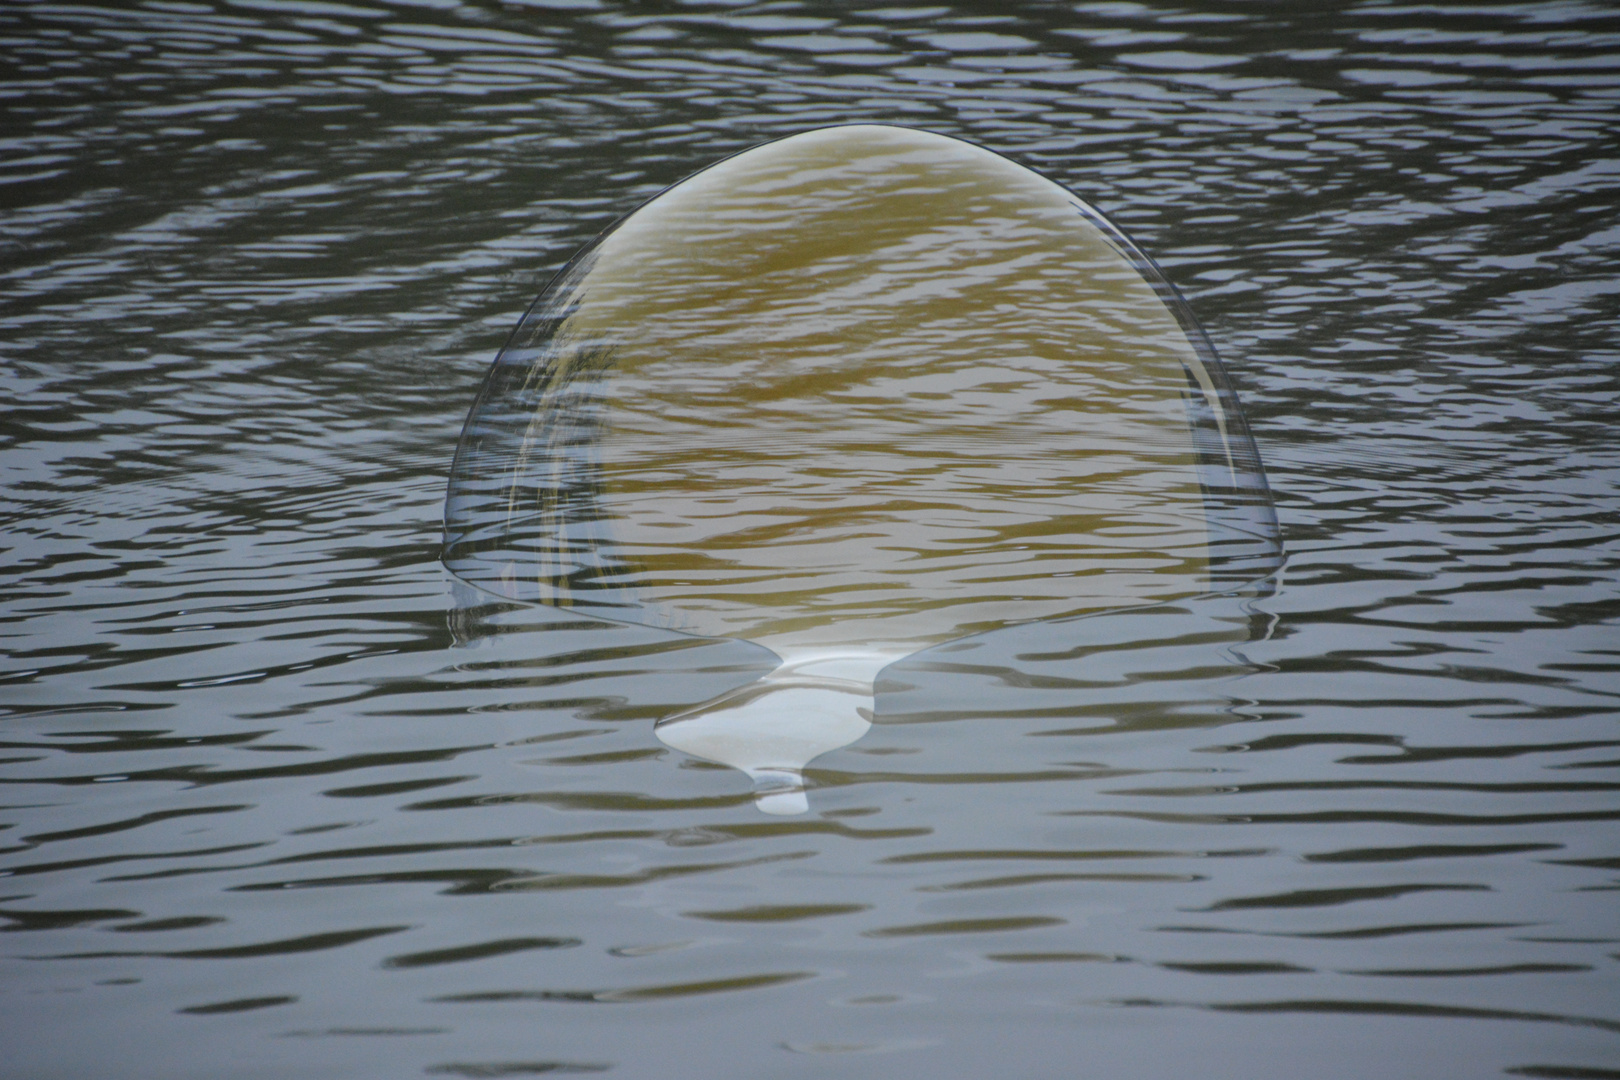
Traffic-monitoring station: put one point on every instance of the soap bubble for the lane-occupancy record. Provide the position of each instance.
(848, 395)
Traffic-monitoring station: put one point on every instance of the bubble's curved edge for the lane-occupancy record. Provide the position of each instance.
(1268, 562)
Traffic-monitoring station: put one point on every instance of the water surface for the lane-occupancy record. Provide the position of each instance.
(277, 803)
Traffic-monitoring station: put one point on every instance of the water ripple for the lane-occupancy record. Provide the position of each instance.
(254, 258)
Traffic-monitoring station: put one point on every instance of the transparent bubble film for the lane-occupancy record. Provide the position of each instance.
(862, 388)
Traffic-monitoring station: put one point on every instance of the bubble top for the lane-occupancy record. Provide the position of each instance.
(865, 386)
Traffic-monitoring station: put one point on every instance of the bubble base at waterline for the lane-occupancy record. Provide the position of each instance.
(856, 392)
(772, 728)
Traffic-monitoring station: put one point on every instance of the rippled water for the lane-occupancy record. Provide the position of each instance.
(277, 803)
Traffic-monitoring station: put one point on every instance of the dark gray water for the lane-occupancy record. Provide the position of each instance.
(274, 805)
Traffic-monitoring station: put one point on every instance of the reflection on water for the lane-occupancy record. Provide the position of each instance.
(263, 816)
(853, 393)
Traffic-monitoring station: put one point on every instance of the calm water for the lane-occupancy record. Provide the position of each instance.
(278, 802)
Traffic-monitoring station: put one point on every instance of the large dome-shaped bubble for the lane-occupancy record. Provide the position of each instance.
(858, 391)
(861, 384)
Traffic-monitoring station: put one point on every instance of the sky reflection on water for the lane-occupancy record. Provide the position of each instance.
(270, 810)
